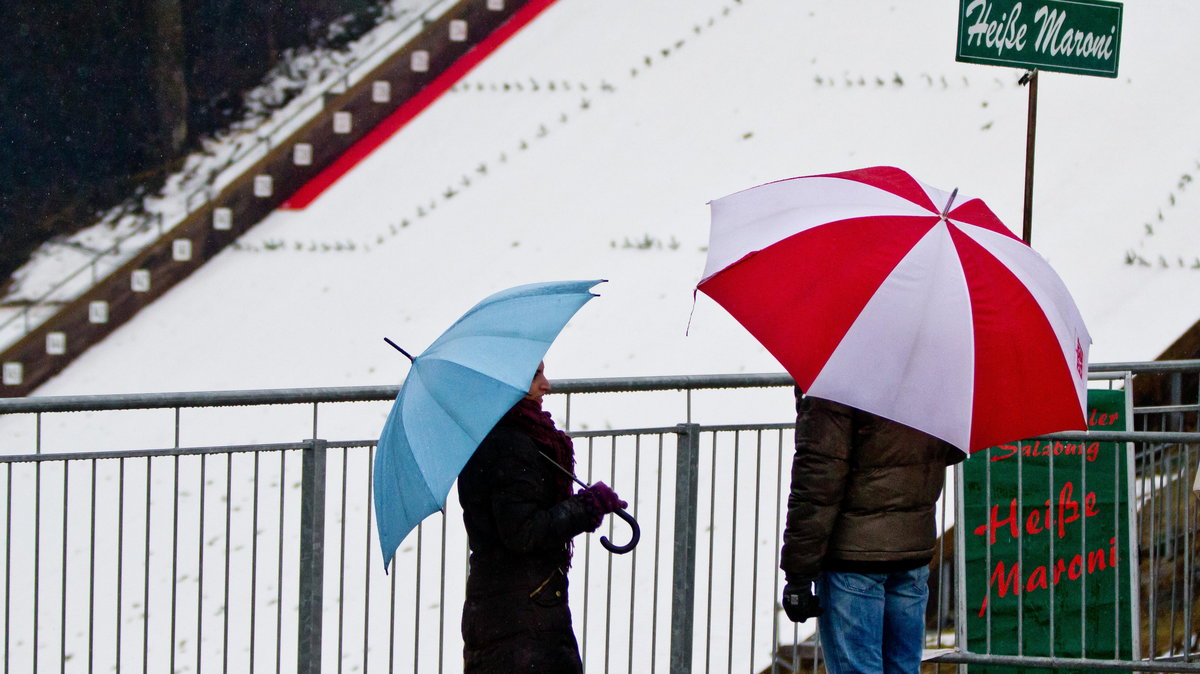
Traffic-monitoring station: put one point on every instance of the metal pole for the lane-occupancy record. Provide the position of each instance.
(1030, 78)
(312, 549)
(683, 597)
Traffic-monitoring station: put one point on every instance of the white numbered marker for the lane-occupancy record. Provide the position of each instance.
(222, 218)
(56, 343)
(98, 312)
(139, 281)
(263, 185)
(302, 154)
(420, 61)
(13, 374)
(381, 91)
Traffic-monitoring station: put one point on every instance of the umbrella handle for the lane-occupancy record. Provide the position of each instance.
(633, 539)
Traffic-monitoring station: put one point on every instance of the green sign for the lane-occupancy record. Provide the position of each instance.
(1070, 36)
(1046, 540)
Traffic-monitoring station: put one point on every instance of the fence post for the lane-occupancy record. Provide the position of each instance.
(312, 558)
(683, 570)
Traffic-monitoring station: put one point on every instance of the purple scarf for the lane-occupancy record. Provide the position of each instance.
(529, 416)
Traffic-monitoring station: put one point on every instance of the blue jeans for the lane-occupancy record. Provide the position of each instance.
(873, 623)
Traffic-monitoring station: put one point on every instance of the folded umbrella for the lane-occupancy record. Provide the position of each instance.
(455, 393)
(919, 305)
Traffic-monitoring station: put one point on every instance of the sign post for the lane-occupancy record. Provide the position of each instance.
(1071, 36)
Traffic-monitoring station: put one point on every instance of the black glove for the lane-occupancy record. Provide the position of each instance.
(798, 601)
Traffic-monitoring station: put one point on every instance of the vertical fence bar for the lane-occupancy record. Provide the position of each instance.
(712, 544)
(442, 603)
(91, 630)
(174, 560)
(65, 559)
(279, 566)
(657, 547)
(367, 559)
(683, 574)
(37, 544)
(7, 564)
(312, 554)
(225, 579)
(637, 475)
(254, 563)
(145, 578)
(775, 589)
(341, 633)
(200, 567)
(754, 559)
(120, 558)
(733, 528)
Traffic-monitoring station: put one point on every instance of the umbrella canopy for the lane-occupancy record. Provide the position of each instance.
(455, 393)
(919, 305)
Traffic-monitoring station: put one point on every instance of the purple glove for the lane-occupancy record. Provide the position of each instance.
(600, 500)
(606, 498)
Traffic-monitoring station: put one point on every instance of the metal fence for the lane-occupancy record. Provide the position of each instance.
(194, 532)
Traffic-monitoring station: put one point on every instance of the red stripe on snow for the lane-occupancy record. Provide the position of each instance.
(1023, 386)
(798, 297)
(414, 106)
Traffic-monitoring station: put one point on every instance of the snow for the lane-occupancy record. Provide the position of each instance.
(491, 187)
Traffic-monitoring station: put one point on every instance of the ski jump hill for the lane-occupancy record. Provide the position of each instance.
(587, 144)
(347, 129)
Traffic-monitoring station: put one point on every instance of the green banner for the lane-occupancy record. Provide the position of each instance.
(1070, 36)
(1046, 533)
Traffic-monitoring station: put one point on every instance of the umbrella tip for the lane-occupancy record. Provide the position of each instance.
(949, 203)
(397, 347)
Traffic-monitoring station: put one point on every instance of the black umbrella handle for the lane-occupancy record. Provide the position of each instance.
(608, 545)
(633, 539)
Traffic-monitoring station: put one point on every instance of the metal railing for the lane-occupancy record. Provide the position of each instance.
(249, 553)
(270, 134)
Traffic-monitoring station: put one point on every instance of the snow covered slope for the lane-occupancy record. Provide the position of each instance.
(589, 145)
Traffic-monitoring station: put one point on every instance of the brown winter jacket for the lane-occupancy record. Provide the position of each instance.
(863, 492)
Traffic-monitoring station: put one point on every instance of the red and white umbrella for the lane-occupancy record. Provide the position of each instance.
(882, 293)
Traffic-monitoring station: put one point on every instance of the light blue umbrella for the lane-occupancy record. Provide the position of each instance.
(455, 393)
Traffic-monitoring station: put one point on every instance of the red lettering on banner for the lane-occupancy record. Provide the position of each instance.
(1037, 580)
(1068, 510)
(995, 522)
(1012, 582)
(1033, 524)
(1039, 448)
(1097, 418)
(1004, 580)
(1075, 568)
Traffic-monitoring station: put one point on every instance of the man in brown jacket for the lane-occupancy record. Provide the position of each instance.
(861, 525)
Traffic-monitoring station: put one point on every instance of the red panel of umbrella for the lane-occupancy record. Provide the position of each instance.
(919, 305)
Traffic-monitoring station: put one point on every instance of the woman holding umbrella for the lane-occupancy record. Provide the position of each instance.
(520, 517)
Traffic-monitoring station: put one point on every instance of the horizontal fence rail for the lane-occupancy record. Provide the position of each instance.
(224, 531)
